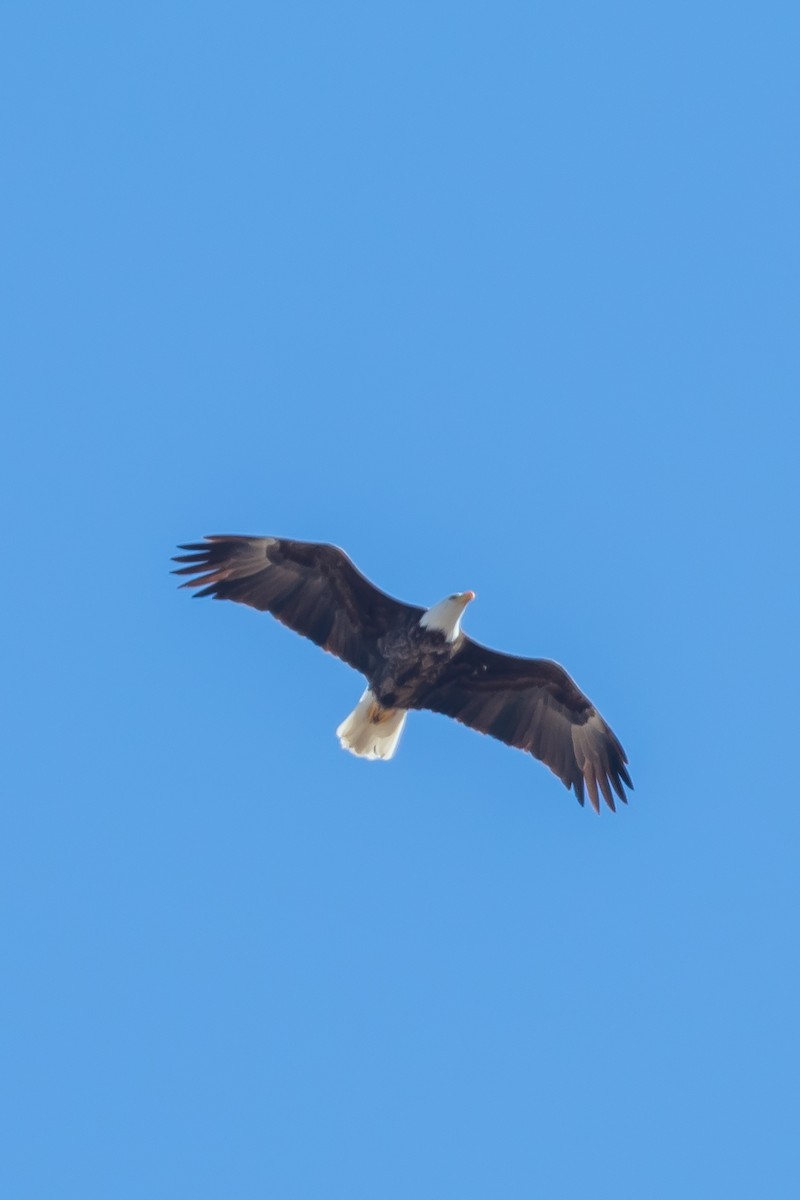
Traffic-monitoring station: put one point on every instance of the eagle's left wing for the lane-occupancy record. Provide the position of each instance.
(533, 704)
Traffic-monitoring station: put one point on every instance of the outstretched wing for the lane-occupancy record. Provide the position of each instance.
(311, 587)
(533, 704)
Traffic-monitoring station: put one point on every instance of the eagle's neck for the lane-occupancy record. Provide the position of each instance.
(444, 617)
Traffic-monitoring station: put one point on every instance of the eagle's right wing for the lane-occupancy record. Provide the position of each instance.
(312, 587)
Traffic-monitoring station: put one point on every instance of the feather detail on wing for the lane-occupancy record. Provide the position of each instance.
(533, 704)
(313, 588)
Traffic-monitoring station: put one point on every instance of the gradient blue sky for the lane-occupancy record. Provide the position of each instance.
(501, 297)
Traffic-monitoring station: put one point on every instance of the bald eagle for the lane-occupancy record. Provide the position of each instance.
(413, 658)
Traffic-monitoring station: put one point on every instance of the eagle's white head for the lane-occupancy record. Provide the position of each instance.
(446, 615)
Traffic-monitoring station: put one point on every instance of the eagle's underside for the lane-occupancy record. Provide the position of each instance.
(413, 658)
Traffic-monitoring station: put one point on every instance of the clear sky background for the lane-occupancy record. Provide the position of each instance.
(498, 296)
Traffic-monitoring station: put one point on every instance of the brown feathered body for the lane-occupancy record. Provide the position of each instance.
(413, 658)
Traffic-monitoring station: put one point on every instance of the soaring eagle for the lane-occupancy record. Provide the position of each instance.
(413, 658)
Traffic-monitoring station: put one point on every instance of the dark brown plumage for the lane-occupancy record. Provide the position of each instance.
(533, 704)
(413, 658)
(313, 588)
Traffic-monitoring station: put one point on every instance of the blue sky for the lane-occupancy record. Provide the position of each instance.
(500, 297)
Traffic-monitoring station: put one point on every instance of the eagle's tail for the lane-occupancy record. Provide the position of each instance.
(372, 731)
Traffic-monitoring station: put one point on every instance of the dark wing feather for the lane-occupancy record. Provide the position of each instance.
(311, 587)
(533, 704)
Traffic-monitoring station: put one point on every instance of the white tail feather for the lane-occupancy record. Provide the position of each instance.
(372, 731)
